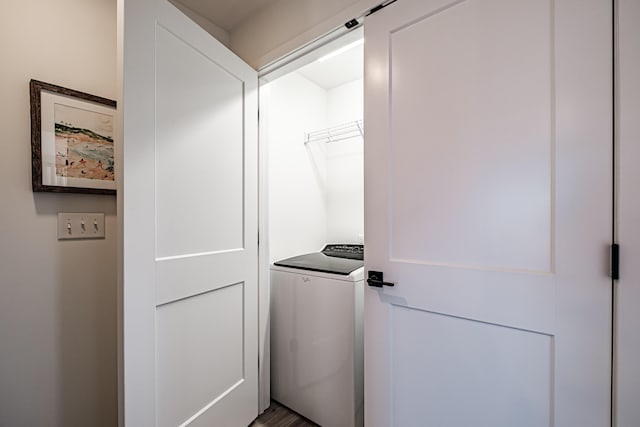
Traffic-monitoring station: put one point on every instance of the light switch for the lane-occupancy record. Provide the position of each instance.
(80, 226)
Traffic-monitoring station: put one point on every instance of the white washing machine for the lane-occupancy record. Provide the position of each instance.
(316, 335)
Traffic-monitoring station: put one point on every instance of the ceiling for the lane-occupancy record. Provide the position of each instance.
(336, 71)
(226, 14)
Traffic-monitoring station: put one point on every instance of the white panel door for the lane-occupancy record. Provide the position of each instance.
(189, 209)
(488, 204)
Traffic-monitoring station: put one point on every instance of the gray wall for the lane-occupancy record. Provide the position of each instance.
(57, 299)
(220, 34)
(285, 25)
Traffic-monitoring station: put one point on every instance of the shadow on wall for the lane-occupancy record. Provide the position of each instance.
(85, 308)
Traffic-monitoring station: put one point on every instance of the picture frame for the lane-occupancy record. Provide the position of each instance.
(72, 140)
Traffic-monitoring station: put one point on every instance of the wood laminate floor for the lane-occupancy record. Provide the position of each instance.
(280, 416)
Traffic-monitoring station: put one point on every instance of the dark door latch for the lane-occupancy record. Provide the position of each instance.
(375, 279)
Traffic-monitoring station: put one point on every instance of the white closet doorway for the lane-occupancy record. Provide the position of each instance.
(311, 147)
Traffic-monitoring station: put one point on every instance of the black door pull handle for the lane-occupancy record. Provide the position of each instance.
(375, 279)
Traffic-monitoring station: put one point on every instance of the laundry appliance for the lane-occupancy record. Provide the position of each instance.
(316, 335)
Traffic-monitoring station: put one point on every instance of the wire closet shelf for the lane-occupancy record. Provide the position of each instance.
(341, 132)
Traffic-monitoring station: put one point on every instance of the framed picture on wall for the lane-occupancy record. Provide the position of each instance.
(72, 140)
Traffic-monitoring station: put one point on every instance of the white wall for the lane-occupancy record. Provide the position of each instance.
(288, 24)
(628, 232)
(316, 190)
(297, 172)
(345, 167)
(57, 299)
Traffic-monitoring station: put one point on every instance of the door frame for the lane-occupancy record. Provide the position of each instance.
(626, 345)
(288, 63)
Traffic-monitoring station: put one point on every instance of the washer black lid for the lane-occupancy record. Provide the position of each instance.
(336, 259)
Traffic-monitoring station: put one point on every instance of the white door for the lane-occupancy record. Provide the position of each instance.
(189, 208)
(488, 204)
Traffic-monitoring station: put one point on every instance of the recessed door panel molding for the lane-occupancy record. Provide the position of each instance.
(200, 352)
(487, 139)
(514, 299)
(480, 364)
(199, 151)
(182, 277)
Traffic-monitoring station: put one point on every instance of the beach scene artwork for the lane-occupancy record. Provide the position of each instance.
(84, 143)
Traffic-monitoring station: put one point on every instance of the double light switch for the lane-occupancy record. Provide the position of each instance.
(80, 226)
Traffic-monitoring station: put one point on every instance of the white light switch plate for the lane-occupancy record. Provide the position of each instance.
(80, 226)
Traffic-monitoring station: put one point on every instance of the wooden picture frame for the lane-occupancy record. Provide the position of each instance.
(72, 140)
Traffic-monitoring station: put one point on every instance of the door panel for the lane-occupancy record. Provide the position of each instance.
(199, 147)
(200, 352)
(190, 217)
(503, 376)
(486, 137)
(487, 200)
